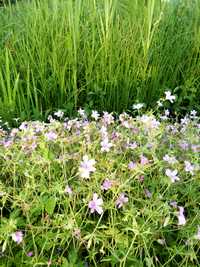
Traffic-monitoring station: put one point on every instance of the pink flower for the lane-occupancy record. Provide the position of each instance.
(143, 160)
(50, 136)
(108, 118)
(30, 254)
(95, 204)
(172, 175)
(170, 160)
(68, 190)
(132, 165)
(17, 237)
(121, 200)
(86, 167)
(105, 145)
(7, 144)
(103, 132)
(184, 145)
(132, 145)
(189, 167)
(141, 178)
(181, 217)
(173, 204)
(107, 184)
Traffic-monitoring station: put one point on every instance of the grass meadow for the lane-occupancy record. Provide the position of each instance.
(101, 55)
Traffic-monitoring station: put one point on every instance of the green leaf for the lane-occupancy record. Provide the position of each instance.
(50, 205)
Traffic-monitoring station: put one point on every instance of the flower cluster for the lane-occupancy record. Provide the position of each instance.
(94, 178)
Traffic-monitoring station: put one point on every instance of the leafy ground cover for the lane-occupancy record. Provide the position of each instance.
(104, 55)
(101, 191)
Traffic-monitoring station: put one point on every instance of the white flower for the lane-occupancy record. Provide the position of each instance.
(169, 96)
(95, 115)
(172, 175)
(86, 167)
(81, 112)
(159, 103)
(138, 106)
(193, 113)
(167, 112)
(185, 121)
(59, 114)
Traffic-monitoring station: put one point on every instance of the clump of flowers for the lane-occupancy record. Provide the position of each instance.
(77, 185)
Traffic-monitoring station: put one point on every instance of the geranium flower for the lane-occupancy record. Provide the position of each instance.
(95, 115)
(68, 190)
(108, 118)
(173, 204)
(50, 136)
(143, 160)
(172, 175)
(30, 254)
(107, 184)
(169, 96)
(95, 204)
(122, 199)
(59, 114)
(138, 106)
(184, 145)
(159, 103)
(132, 165)
(81, 112)
(23, 126)
(86, 167)
(17, 237)
(132, 145)
(170, 160)
(105, 145)
(103, 132)
(189, 167)
(181, 217)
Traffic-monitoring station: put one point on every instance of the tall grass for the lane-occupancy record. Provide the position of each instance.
(97, 54)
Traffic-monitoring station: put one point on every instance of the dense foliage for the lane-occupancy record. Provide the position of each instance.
(101, 191)
(97, 54)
